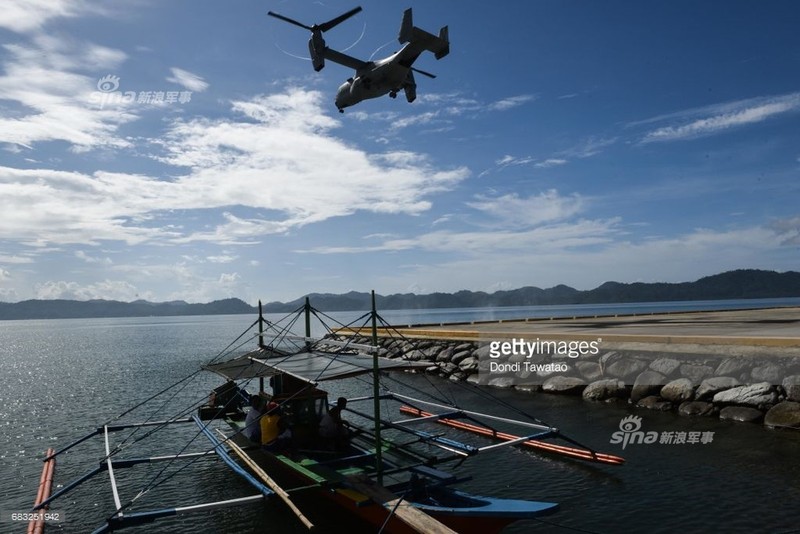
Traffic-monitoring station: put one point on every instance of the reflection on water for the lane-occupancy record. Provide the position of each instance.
(64, 378)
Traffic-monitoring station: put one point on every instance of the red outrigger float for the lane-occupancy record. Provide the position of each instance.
(572, 452)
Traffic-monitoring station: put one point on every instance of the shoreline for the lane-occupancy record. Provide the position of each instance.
(740, 365)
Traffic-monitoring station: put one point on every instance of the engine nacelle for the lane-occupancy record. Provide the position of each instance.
(316, 48)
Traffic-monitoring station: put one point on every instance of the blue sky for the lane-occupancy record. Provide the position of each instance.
(565, 142)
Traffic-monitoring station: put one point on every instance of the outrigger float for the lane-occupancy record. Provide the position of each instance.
(388, 475)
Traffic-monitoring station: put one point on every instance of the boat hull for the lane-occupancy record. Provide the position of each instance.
(328, 502)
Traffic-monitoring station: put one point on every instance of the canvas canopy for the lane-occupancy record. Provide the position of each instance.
(309, 366)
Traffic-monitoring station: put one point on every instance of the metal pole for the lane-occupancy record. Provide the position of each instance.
(308, 322)
(376, 394)
(260, 326)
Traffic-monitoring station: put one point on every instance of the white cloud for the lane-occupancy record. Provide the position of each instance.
(510, 102)
(589, 147)
(107, 289)
(81, 255)
(224, 258)
(54, 100)
(15, 259)
(551, 162)
(228, 279)
(722, 117)
(189, 80)
(28, 15)
(282, 158)
(4, 275)
(531, 211)
(546, 263)
(494, 245)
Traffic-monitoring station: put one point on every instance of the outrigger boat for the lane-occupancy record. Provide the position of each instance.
(388, 475)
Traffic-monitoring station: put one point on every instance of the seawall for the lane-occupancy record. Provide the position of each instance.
(739, 365)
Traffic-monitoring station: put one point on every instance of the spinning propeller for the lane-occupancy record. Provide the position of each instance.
(318, 27)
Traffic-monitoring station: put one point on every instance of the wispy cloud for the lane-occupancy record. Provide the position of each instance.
(448, 106)
(521, 212)
(510, 102)
(550, 162)
(189, 80)
(30, 15)
(53, 99)
(720, 117)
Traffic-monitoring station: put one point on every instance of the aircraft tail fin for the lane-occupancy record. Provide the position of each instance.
(439, 45)
(406, 27)
(444, 37)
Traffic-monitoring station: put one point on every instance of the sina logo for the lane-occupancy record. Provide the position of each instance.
(629, 432)
(108, 83)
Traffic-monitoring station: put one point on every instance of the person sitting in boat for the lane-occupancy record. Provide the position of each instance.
(275, 433)
(332, 429)
(252, 425)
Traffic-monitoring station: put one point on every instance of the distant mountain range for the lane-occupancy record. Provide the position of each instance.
(739, 284)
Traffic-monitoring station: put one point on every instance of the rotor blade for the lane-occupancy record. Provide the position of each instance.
(428, 74)
(338, 20)
(290, 21)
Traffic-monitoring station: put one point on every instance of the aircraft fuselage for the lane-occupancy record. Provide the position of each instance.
(379, 78)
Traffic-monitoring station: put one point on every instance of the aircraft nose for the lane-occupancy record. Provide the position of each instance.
(343, 96)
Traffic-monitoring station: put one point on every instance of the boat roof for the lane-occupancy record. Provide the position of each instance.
(311, 366)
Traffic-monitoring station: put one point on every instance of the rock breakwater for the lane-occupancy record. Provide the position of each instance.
(741, 388)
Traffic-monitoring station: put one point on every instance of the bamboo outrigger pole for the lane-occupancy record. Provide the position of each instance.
(282, 493)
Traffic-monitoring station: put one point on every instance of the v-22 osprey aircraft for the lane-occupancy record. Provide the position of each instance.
(375, 78)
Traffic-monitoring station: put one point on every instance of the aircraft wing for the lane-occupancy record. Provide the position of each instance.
(344, 59)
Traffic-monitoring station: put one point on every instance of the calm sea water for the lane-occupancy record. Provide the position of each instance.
(63, 378)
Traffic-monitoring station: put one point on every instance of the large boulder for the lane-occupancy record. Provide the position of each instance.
(483, 352)
(647, 383)
(732, 367)
(665, 366)
(605, 389)
(792, 386)
(626, 369)
(769, 372)
(696, 373)
(449, 368)
(711, 386)
(458, 357)
(693, 408)
(468, 365)
(678, 391)
(589, 370)
(654, 402)
(445, 354)
(784, 415)
(742, 414)
(502, 382)
(753, 395)
(566, 385)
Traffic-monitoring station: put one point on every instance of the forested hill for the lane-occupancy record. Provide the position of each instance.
(740, 284)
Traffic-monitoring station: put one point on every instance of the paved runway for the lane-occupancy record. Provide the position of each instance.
(773, 330)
